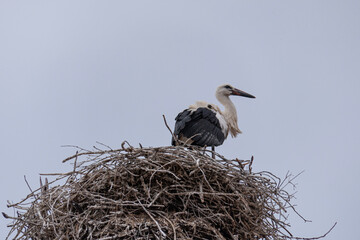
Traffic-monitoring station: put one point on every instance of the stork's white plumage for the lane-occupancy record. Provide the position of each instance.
(204, 124)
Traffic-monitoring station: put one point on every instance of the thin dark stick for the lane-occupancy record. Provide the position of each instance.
(313, 238)
(172, 134)
(27, 184)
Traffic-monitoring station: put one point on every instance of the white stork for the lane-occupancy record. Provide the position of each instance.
(204, 124)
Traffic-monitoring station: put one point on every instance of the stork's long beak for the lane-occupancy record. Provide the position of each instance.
(238, 92)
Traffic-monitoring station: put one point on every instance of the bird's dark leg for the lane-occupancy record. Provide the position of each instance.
(213, 151)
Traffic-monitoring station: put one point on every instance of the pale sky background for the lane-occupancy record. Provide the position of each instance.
(77, 72)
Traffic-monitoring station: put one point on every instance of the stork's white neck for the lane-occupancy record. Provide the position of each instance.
(229, 113)
(230, 109)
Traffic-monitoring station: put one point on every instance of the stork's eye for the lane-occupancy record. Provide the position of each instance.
(228, 86)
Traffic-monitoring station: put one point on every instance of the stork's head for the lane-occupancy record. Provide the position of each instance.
(227, 90)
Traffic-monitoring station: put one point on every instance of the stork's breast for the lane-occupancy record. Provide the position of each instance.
(223, 124)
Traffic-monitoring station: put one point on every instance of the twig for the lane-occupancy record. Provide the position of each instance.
(313, 238)
(172, 134)
(152, 218)
(27, 184)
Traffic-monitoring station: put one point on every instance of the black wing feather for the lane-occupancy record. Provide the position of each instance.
(201, 126)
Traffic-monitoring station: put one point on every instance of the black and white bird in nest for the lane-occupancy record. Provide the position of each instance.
(204, 124)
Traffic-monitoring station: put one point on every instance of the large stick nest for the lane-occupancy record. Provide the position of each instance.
(155, 193)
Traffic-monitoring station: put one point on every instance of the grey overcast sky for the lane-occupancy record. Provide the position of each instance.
(77, 72)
